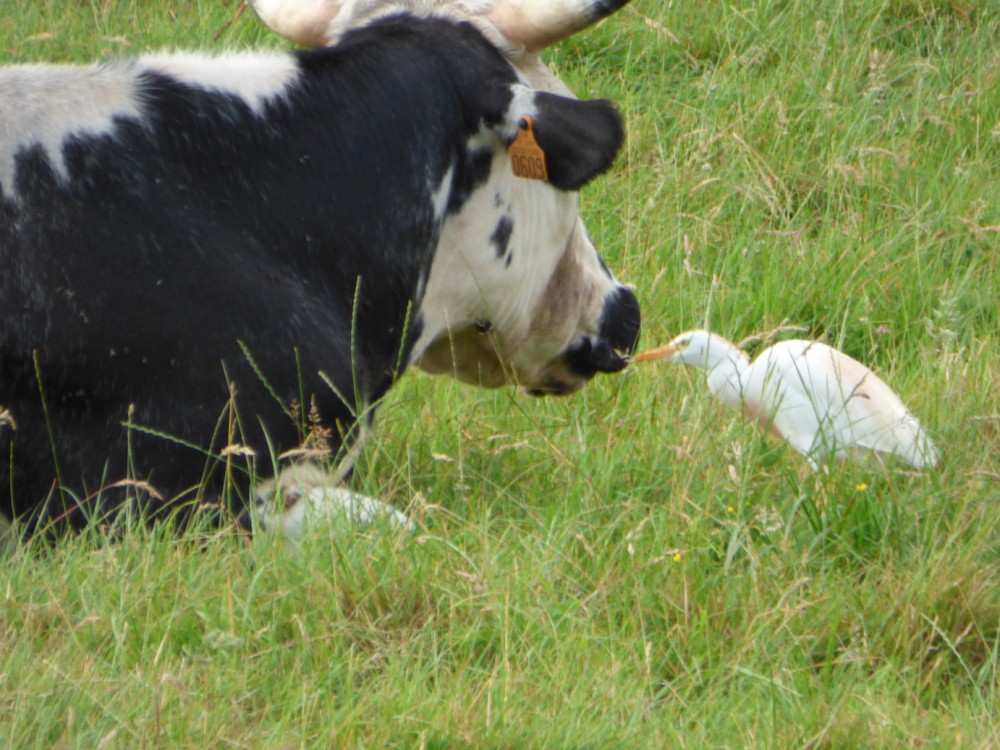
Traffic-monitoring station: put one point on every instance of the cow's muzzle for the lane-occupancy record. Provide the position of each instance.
(616, 339)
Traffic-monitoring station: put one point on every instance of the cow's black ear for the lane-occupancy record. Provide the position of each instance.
(580, 138)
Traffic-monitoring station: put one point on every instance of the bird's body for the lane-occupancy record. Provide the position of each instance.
(303, 495)
(824, 403)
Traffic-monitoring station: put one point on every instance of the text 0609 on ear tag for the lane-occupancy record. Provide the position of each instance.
(526, 157)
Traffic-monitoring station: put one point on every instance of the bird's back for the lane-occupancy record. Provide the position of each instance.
(824, 402)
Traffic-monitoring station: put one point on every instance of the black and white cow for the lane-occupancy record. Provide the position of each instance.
(196, 252)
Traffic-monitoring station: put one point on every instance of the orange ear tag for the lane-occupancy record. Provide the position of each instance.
(527, 159)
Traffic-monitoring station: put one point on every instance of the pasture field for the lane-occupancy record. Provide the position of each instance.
(631, 567)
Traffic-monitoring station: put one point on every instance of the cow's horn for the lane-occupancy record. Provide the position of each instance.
(529, 24)
(307, 22)
(535, 24)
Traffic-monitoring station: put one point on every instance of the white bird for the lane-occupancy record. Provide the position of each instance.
(303, 496)
(821, 401)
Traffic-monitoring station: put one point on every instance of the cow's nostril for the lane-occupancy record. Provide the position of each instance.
(591, 356)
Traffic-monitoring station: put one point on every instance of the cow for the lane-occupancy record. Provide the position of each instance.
(208, 262)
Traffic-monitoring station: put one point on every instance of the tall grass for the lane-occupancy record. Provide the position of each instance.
(632, 566)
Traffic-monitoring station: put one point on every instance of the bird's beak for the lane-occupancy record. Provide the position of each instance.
(654, 355)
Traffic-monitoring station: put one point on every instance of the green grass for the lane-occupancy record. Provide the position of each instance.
(630, 567)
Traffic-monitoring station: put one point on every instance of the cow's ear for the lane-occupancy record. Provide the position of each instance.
(580, 138)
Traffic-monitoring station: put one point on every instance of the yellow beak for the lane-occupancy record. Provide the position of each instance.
(653, 355)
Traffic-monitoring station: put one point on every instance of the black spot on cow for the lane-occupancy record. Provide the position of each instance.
(500, 238)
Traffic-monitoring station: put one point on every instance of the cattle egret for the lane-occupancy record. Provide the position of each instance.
(821, 401)
(302, 496)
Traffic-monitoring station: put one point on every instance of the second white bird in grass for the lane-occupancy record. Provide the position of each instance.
(303, 496)
(821, 401)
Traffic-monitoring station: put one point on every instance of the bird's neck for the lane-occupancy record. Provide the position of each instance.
(727, 377)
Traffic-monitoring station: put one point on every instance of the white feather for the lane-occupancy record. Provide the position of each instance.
(301, 498)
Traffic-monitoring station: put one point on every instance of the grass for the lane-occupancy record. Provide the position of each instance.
(630, 567)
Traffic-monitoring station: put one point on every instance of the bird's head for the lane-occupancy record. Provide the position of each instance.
(697, 348)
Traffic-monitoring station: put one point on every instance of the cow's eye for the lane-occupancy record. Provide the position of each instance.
(483, 326)
(291, 497)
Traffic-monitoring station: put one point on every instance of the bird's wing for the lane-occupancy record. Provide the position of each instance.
(865, 414)
(823, 403)
(789, 396)
(359, 510)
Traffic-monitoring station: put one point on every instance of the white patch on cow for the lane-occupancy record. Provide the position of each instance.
(522, 103)
(441, 193)
(255, 78)
(42, 105)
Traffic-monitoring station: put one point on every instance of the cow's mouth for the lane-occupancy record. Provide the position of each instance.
(554, 390)
(558, 381)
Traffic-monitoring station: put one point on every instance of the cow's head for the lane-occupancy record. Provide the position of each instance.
(517, 292)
